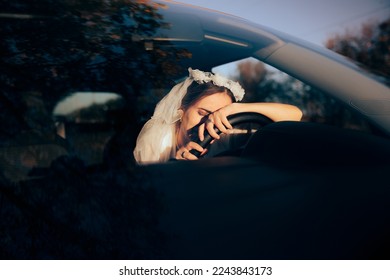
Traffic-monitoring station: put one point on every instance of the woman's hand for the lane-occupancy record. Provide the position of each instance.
(217, 119)
(183, 153)
(274, 111)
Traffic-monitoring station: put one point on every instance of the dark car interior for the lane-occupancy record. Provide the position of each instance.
(284, 197)
(304, 144)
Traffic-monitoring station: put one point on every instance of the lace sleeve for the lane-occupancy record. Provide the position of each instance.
(155, 143)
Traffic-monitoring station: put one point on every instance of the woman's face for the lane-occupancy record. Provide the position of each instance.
(199, 110)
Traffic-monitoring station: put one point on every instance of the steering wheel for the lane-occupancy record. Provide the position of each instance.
(235, 120)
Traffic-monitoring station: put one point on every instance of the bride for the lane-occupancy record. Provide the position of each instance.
(203, 99)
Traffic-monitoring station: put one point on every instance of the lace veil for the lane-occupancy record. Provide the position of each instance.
(157, 142)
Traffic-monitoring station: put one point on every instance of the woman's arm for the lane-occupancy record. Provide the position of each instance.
(275, 111)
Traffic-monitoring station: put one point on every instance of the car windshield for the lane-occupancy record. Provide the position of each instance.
(103, 73)
(79, 79)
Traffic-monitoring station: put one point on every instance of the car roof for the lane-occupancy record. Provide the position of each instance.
(215, 38)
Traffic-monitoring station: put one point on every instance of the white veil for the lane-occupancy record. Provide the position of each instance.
(157, 142)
